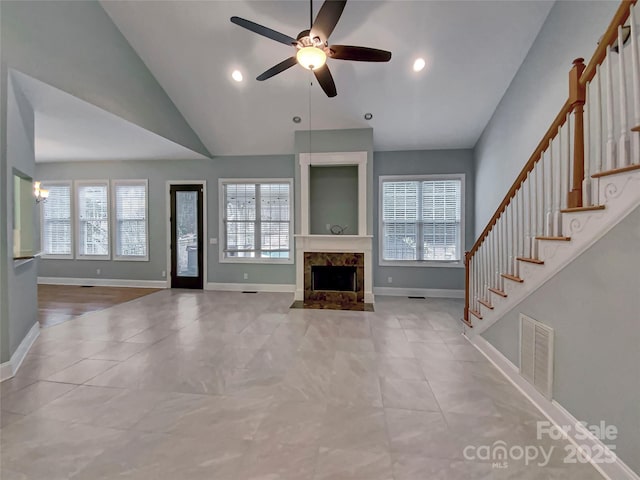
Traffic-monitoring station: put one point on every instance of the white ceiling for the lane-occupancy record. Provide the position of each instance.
(70, 129)
(473, 49)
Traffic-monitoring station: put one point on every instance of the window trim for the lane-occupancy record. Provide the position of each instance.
(76, 189)
(221, 218)
(421, 263)
(43, 255)
(114, 220)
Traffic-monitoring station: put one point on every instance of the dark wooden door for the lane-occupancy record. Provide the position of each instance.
(186, 236)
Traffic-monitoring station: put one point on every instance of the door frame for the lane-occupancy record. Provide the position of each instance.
(205, 238)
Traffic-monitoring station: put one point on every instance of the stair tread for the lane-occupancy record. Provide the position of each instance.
(468, 323)
(628, 168)
(530, 260)
(560, 239)
(486, 304)
(475, 314)
(511, 277)
(497, 291)
(636, 129)
(583, 209)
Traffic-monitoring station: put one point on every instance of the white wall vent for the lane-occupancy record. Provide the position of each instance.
(536, 354)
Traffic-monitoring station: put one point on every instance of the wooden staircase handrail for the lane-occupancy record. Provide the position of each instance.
(560, 119)
(609, 38)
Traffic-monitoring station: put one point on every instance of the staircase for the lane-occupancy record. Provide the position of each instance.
(581, 180)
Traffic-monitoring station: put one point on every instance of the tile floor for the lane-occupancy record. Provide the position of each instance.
(211, 385)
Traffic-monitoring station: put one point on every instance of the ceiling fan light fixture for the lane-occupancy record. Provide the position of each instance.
(237, 75)
(419, 64)
(311, 58)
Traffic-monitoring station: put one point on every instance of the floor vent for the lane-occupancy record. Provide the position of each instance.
(248, 291)
(536, 354)
(417, 298)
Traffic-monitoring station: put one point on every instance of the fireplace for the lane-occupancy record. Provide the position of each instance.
(332, 278)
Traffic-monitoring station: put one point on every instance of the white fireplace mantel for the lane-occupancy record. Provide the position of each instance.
(335, 243)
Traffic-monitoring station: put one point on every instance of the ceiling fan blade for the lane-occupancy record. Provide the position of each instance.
(359, 54)
(264, 31)
(276, 69)
(327, 18)
(326, 80)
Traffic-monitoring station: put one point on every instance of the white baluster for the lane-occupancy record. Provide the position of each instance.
(526, 216)
(623, 142)
(611, 144)
(569, 146)
(548, 221)
(599, 138)
(485, 272)
(502, 251)
(534, 210)
(507, 237)
(586, 183)
(514, 234)
(557, 187)
(635, 80)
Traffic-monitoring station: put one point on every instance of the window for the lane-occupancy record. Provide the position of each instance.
(256, 220)
(130, 208)
(92, 200)
(56, 221)
(422, 220)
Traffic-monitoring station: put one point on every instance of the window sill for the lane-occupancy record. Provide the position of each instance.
(19, 261)
(130, 259)
(426, 264)
(259, 261)
(57, 257)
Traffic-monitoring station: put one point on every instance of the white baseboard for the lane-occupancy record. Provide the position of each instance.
(557, 414)
(252, 287)
(418, 292)
(10, 368)
(103, 282)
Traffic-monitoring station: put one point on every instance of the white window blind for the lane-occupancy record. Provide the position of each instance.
(131, 235)
(56, 221)
(257, 220)
(93, 219)
(422, 220)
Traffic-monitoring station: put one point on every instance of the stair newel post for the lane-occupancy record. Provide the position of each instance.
(577, 96)
(467, 256)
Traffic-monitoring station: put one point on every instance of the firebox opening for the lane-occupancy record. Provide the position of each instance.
(330, 278)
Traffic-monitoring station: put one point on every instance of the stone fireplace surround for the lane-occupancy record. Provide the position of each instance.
(336, 299)
(334, 248)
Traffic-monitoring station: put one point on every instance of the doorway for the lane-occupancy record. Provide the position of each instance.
(187, 235)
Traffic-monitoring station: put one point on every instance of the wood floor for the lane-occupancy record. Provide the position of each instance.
(59, 303)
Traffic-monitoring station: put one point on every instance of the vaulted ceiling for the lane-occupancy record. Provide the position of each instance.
(472, 49)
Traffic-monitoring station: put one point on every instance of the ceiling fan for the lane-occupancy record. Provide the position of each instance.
(312, 46)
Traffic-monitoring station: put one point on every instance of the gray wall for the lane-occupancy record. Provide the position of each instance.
(158, 172)
(75, 47)
(4, 254)
(351, 140)
(423, 162)
(333, 199)
(534, 98)
(21, 287)
(594, 307)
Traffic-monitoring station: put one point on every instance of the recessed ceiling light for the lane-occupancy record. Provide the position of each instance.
(418, 64)
(368, 116)
(237, 75)
(297, 119)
